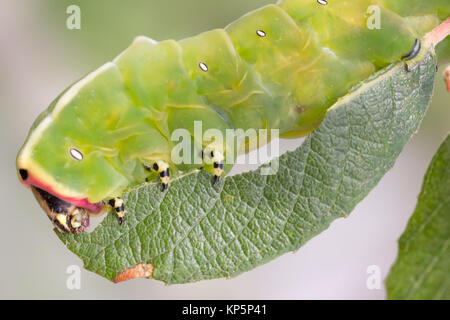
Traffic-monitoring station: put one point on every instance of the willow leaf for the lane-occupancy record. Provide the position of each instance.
(423, 263)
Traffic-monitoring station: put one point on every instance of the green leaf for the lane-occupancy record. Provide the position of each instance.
(423, 263)
(198, 231)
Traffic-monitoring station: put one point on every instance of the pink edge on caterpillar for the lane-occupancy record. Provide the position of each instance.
(94, 208)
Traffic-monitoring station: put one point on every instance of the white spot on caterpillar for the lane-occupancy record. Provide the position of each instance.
(331, 52)
(76, 154)
(203, 66)
(261, 33)
(322, 2)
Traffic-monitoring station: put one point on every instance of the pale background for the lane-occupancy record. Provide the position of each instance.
(39, 57)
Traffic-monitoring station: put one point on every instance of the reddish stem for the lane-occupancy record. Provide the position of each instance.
(439, 33)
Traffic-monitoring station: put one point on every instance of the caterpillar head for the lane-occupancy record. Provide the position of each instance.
(69, 159)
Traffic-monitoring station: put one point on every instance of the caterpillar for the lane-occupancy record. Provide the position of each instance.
(279, 67)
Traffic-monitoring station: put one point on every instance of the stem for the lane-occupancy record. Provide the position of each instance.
(439, 33)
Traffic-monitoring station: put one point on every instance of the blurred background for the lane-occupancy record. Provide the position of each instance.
(40, 57)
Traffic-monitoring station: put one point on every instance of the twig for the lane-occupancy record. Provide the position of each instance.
(439, 33)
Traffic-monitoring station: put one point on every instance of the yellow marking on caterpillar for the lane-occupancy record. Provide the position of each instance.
(162, 168)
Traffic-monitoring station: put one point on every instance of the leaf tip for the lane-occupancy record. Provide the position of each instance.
(138, 271)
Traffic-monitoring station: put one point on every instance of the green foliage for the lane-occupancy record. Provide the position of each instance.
(197, 231)
(423, 263)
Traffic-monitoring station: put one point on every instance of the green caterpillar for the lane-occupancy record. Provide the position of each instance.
(279, 67)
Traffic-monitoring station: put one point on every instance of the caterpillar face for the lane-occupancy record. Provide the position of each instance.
(65, 158)
(80, 173)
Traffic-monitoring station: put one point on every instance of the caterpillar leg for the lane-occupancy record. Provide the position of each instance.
(74, 221)
(78, 220)
(62, 222)
(217, 158)
(162, 168)
(117, 205)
